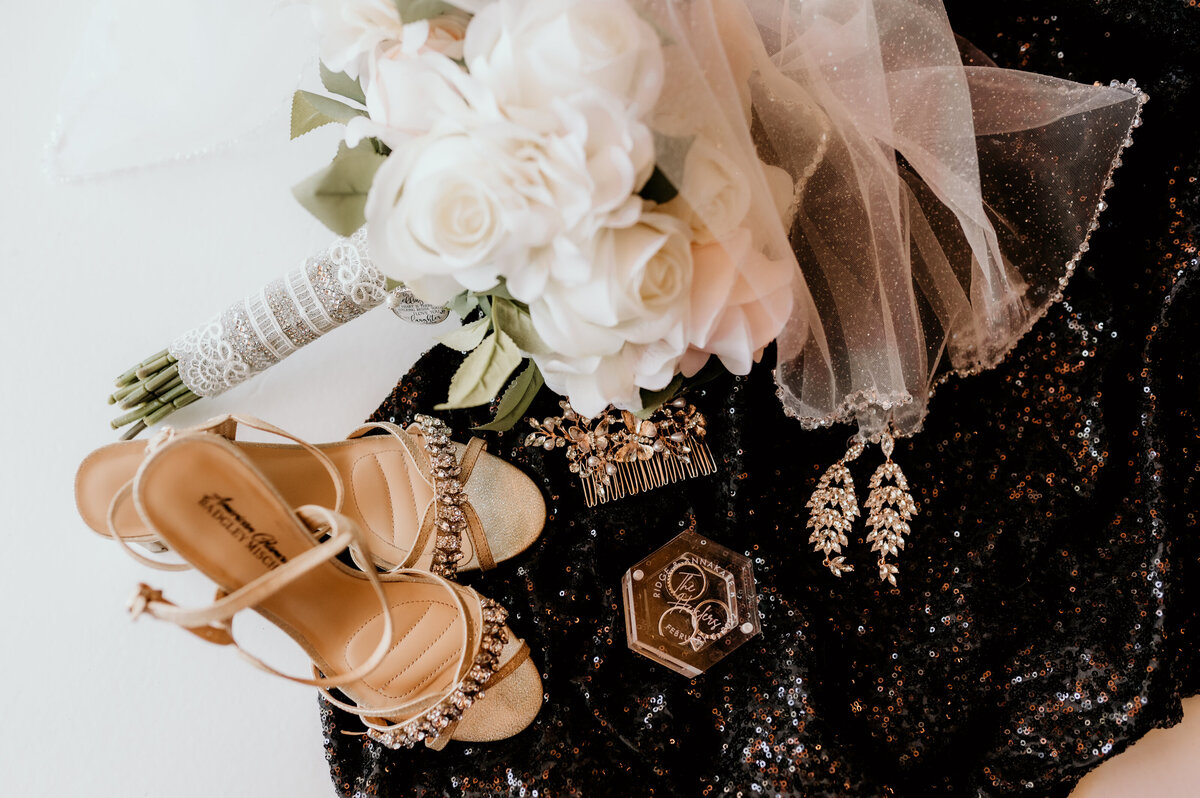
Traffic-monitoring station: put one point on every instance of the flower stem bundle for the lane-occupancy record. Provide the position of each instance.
(150, 391)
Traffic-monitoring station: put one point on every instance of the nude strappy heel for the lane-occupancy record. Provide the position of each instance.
(425, 501)
(420, 658)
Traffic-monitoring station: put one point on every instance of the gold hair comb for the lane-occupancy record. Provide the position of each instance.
(618, 454)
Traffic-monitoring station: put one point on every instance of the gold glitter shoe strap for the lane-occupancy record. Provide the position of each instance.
(483, 552)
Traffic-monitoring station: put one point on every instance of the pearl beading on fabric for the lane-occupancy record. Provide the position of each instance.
(254, 334)
(448, 498)
(434, 721)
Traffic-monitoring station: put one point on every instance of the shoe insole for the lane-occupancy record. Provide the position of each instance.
(208, 501)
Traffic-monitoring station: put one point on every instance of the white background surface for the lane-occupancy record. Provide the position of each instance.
(97, 275)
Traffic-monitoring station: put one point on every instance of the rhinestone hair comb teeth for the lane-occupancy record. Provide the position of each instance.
(617, 454)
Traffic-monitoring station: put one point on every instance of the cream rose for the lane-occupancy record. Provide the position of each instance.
(588, 168)
(594, 383)
(478, 198)
(532, 52)
(740, 301)
(715, 194)
(355, 33)
(350, 30)
(624, 327)
(447, 211)
(407, 97)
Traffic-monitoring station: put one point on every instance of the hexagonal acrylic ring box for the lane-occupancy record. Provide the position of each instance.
(689, 604)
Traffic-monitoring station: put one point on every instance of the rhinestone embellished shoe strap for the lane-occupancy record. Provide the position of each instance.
(469, 640)
(425, 720)
(509, 667)
(449, 494)
(452, 512)
(433, 722)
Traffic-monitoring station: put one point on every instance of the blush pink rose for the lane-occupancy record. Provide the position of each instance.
(740, 301)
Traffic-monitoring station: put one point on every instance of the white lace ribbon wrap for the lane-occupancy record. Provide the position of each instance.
(251, 335)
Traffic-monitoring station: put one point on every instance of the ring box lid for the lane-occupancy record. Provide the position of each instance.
(690, 604)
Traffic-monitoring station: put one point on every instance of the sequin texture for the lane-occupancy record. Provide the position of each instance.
(1045, 615)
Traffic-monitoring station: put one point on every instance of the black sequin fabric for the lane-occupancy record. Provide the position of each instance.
(1045, 616)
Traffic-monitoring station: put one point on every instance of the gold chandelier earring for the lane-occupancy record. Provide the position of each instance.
(833, 507)
(890, 507)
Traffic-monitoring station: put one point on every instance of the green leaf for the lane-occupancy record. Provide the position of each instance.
(463, 303)
(466, 337)
(380, 147)
(709, 372)
(652, 400)
(499, 290)
(342, 84)
(417, 10)
(514, 319)
(337, 194)
(516, 399)
(311, 111)
(483, 373)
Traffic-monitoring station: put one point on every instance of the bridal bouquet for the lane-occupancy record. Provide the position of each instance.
(528, 161)
(618, 197)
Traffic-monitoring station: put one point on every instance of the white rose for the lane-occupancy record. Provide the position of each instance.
(637, 289)
(740, 301)
(408, 97)
(477, 198)
(594, 383)
(447, 211)
(715, 195)
(354, 33)
(350, 30)
(591, 164)
(532, 51)
(623, 328)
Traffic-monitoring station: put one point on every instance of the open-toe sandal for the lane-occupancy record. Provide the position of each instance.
(419, 658)
(424, 500)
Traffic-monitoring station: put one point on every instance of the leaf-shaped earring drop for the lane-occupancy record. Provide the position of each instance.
(890, 508)
(833, 508)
